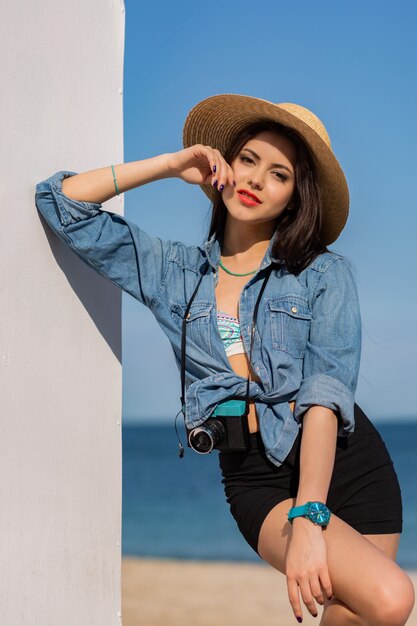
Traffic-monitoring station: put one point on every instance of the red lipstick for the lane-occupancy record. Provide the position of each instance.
(247, 197)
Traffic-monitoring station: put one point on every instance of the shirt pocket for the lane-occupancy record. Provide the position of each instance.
(198, 322)
(290, 319)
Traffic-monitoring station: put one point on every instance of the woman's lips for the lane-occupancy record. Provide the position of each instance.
(247, 200)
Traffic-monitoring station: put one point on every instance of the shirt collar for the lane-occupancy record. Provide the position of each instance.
(212, 250)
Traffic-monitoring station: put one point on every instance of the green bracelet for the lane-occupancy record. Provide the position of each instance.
(115, 182)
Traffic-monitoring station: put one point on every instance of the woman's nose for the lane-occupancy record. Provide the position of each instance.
(255, 180)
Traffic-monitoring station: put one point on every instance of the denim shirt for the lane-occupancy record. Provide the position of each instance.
(308, 340)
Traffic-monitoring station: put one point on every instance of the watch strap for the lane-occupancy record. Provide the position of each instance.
(297, 511)
(307, 510)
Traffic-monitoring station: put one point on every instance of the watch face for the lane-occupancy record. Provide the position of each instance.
(319, 513)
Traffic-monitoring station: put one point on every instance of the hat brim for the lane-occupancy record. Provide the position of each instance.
(217, 119)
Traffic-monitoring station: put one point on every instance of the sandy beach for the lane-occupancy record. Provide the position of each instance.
(158, 592)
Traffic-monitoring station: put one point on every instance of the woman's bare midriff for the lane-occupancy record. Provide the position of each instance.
(228, 290)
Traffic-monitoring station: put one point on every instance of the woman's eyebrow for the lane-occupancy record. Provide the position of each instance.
(272, 164)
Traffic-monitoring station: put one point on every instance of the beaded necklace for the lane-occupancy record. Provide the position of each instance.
(235, 273)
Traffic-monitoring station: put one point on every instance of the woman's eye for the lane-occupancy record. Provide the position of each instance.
(244, 158)
(280, 176)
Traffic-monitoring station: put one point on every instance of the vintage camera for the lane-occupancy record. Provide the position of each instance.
(226, 430)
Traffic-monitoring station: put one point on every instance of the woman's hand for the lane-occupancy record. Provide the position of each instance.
(306, 566)
(200, 165)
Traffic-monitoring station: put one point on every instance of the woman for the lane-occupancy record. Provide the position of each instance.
(279, 198)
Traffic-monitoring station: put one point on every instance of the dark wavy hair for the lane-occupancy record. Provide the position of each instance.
(297, 238)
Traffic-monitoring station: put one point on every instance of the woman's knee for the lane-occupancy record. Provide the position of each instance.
(390, 597)
(393, 606)
(396, 599)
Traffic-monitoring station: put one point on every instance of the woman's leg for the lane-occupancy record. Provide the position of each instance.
(335, 611)
(369, 588)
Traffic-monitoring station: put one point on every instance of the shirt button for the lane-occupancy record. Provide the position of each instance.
(294, 309)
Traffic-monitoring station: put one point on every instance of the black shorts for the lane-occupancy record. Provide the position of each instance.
(364, 489)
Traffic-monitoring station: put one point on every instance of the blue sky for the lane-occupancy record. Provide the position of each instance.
(354, 64)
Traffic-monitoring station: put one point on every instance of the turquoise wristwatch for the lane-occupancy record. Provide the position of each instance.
(317, 512)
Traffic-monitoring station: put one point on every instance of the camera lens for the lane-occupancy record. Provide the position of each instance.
(204, 438)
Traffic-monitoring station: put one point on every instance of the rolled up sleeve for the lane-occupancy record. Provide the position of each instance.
(333, 351)
(115, 247)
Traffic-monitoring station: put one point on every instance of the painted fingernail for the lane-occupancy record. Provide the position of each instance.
(215, 183)
(221, 188)
(214, 168)
(299, 619)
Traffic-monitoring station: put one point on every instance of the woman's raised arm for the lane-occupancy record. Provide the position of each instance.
(197, 165)
(116, 248)
(109, 243)
(98, 185)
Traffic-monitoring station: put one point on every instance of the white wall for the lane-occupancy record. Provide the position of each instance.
(60, 322)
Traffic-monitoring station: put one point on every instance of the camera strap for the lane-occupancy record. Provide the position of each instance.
(183, 343)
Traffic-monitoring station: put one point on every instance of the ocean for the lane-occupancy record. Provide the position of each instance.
(176, 508)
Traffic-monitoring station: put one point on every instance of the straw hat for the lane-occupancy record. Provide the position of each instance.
(217, 119)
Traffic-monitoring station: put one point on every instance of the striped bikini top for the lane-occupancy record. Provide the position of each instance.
(229, 329)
